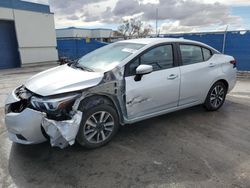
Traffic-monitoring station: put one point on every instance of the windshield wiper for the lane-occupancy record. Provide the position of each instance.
(71, 62)
(83, 67)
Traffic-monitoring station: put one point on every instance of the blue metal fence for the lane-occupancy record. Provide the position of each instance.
(237, 44)
(74, 48)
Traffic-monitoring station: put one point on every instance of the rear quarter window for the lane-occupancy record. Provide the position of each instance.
(207, 54)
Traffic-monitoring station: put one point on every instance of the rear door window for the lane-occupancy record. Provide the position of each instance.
(190, 54)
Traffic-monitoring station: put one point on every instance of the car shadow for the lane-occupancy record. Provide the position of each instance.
(185, 146)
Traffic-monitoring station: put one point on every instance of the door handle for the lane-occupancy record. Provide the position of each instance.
(212, 65)
(172, 76)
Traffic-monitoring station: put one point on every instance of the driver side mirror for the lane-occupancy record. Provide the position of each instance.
(141, 70)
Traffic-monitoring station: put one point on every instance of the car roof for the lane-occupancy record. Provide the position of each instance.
(156, 40)
(152, 41)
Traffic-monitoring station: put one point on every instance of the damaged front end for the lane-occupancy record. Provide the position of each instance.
(30, 118)
(58, 117)
(62, 133)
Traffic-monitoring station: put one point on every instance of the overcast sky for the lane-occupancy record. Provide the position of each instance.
(173, 15)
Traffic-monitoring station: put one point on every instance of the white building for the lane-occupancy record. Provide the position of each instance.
(99, 34)
(27, 34)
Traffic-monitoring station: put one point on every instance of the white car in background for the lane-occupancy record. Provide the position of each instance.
(121, 83)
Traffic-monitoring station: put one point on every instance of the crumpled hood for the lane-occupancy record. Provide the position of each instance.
(62, 79)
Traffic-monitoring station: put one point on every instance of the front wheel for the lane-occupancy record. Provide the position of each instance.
(216, 96)
(99, 125)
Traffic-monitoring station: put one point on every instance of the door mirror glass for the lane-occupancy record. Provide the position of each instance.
(144, 69)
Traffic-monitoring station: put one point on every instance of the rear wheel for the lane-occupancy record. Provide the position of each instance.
(99, 125)
(216, 96)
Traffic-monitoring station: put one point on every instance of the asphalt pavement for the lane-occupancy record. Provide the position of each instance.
(188, 148)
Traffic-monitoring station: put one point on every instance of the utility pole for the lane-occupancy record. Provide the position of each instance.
(224, 40)
(156, 22)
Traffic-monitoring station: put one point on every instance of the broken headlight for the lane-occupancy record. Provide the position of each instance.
(53, 103)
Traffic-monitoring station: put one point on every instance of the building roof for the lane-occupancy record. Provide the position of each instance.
(22, 5)
(77, 28)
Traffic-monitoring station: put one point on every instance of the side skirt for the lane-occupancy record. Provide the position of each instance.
(155, 114)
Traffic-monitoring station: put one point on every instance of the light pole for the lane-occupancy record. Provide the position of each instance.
(156, 22)
(224, 40)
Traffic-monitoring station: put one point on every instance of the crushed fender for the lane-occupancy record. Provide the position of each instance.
(62, 133)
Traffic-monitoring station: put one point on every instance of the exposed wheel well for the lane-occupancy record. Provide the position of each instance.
(97, 99)
(224, 82)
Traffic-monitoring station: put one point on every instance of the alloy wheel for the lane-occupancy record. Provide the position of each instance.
(217, 96)
(98, 127)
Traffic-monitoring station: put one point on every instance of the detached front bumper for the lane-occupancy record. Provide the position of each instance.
(30, 126)
(25, 127)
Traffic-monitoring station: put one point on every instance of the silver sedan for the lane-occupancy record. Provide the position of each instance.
(121, 83)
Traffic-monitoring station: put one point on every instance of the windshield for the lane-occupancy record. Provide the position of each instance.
(108, 57)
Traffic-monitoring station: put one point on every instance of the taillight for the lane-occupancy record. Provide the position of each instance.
(233, 62)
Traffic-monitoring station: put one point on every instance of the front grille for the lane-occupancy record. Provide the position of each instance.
(19, 106)
(24, 95)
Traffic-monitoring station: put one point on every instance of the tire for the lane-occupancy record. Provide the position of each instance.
(216, 96)
(93, 132)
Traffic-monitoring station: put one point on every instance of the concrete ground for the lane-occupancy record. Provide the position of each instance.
(189, 148)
